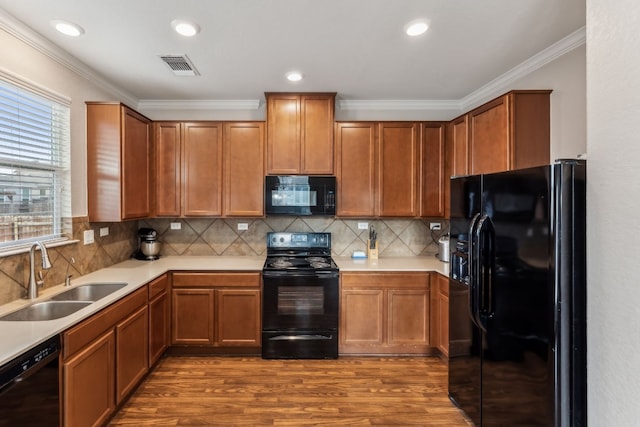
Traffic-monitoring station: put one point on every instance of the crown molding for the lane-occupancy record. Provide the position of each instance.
(398, 104)
(36, 41)
(539, 60)
(186, 104)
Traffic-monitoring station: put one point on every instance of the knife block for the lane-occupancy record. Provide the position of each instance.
(372, 253)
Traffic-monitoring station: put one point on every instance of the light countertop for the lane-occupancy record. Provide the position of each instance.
(19, 336)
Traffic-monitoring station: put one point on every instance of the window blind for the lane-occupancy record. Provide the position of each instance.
(35, 200)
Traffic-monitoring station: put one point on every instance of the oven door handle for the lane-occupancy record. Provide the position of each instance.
(304, 337)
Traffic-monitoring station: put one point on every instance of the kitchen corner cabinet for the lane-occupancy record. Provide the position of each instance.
(384, 313)
(432, 173)
(209, 169)
(300, 133)
(216, 310)
(440, 313)
(510, 132)
(103, 359)
(458, 149)
(378, 169)
(118, 163)
(159, 318)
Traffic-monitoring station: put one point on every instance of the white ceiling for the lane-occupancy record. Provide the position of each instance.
(354, 47)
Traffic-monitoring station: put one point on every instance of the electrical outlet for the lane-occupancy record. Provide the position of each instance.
(176, 225)
(104, 231)
(434, 226)
(363, 226)
(88, 237)
(243, 226)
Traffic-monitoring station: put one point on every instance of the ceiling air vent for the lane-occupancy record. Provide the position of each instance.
(180, 65)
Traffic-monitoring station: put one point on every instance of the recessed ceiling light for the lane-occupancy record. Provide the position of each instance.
(185, 28)
(415, 28)
(294, 76)
(68, 28)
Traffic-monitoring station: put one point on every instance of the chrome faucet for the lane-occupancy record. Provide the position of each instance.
(32, 287)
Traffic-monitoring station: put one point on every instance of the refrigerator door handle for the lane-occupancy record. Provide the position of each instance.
(473, 263)
(486, 269)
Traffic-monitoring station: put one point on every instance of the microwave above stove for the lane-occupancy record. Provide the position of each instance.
(300, 195)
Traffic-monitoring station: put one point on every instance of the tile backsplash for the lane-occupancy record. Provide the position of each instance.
(212, 237)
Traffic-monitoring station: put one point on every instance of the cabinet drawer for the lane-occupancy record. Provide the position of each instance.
(191, 280)
(82, 334)
(158, 286)
(386, 279)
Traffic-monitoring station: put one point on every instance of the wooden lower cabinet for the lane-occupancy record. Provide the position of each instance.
(132, 352)
(88, 384)
(216, 310)
(159, 318)
(385, 313)
(440, 313)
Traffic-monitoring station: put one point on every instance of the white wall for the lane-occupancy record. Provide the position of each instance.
(22, 60)
(613, 200)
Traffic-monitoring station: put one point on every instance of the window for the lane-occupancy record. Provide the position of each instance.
(35, 202)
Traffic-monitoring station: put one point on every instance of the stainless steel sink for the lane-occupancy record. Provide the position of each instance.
(89, 292)
(46, 310)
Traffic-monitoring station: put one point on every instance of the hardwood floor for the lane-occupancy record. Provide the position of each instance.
(356, 391)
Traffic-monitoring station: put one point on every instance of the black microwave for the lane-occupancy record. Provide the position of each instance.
(300, 195)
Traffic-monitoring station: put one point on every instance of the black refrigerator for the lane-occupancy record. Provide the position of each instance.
(517, 300)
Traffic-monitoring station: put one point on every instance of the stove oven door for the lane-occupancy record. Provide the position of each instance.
(300, 315)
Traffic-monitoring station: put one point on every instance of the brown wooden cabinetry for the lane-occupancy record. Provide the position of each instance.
(300, 133)
(216, 309)
(433, 185)
(510, 132)
(378, 169)
(385, 313)
(103, 358)
(458, 137)
(159, 318)
(440, 313)
(118, 163)
(209, 168)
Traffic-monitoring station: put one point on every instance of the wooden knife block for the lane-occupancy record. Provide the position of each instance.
(372, 253)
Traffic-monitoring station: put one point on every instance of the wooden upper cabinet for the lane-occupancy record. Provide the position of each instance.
(244, 169)
(458, 138)
(433, 173)
(168, 168)
(398, 166)
(202, 169)
(355, 168)
(118, 163)
(300, 133)
(510, 132)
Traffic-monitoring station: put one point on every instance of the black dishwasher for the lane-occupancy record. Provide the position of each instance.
(29, 387)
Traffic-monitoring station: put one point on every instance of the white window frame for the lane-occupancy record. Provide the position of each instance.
(26, 109)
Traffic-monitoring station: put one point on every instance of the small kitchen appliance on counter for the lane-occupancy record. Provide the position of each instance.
(443, 248)
(148, 245)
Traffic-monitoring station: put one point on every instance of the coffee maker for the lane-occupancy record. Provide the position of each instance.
(148, 245)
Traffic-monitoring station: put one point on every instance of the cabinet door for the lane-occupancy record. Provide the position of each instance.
(361, 321)
(459, 141)
(433, 170)
(316, 128)
(244, 169)
(408, 319)
(132, 352)
(167, 168)
(88, 394)
(135, 165)
(202, 169)
(238, 320)
(489, 137)
(192, 317)
(283, 134)
(158, 326)
(443, 314)
(355, 169)
(398, 169)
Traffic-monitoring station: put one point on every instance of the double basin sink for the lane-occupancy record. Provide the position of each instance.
(65, 303)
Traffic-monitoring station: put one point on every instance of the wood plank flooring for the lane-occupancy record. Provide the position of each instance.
(354, 391)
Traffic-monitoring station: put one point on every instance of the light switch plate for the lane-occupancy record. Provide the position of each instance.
(243, 226)
(88, 237)
(104, 231)
(363, 226)
(176, 225)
